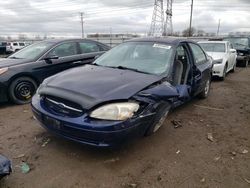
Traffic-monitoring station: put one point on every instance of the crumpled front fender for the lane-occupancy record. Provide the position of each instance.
(164, 91)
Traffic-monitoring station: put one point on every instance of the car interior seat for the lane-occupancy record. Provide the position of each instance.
(178, 70)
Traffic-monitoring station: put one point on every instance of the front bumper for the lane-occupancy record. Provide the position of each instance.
(3, 93)
(218, 70)
(88, 131)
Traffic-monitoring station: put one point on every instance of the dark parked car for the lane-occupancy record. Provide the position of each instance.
(3, 47)
(242, 45)
(125, 93)
(22, 72)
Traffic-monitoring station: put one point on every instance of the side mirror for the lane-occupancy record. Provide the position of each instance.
(50, 58)
(232, 50)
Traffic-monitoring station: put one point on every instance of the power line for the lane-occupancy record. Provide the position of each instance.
(168, 28)
(157, 24)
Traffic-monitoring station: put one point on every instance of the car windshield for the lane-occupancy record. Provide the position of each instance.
(146, 57)
(31, 52)
(213, 47)
(238, 42)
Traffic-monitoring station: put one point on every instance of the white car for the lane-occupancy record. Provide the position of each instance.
(14, 46)
(223, 54)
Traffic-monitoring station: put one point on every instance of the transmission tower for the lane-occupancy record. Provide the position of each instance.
(168, 27)
(157, 24)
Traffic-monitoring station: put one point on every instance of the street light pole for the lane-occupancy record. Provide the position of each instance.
(81, 16)
(191, 17)
(218, 30)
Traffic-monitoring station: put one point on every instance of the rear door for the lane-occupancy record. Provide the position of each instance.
(201, 68)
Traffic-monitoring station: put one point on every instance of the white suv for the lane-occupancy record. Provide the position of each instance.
(14, 46)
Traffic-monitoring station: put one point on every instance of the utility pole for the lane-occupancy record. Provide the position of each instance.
(157, 24)
(81, 16)
(191, 17)
(218, 30)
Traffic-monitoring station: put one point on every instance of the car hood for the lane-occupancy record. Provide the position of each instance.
(91, 85)
(217, 55)
(6, 62)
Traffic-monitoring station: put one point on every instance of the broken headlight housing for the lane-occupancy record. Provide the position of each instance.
(116, 111)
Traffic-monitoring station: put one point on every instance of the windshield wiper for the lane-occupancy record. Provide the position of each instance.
(127, 68)
(14, 57)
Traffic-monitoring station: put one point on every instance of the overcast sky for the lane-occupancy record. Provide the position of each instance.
(61, 17)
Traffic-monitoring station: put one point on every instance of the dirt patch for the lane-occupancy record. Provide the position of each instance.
(174, 157)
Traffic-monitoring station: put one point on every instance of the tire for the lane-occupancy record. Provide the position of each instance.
(162, 113)
(21, 90)
(204, 94)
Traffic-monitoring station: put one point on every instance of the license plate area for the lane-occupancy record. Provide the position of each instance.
(52, 123)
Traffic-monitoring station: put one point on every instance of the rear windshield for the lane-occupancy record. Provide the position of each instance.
(213, 47)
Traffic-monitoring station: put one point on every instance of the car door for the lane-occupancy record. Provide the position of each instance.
(201, 68)
(62, 56)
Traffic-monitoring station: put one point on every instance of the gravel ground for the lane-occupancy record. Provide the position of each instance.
(182, 157)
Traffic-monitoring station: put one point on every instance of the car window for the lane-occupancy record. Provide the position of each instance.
(21, 44)
(213, 47)
(15, 44)
(198, 53)
(33, 51)
(88, 47)
(63, 50)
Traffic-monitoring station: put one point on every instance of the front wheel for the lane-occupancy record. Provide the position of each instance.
(21, 90)
(161, 115)
(204, 94)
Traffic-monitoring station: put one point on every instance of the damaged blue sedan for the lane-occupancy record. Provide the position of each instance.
(126, 93)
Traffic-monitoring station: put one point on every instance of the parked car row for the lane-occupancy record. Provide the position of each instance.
(125, 93)
(11, 47)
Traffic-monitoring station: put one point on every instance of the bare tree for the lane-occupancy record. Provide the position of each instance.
(185, 33)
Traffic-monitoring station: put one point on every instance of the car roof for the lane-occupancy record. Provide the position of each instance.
(166, 40)
(56, 41)
(211, 41)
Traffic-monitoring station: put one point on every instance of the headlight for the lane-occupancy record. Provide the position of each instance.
(219, 61)
(116, 111)
(241, 54)
(3, 70)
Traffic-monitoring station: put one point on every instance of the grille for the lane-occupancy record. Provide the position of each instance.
(62, 107)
